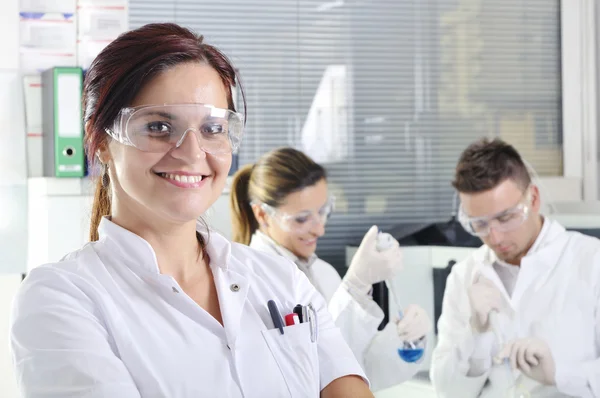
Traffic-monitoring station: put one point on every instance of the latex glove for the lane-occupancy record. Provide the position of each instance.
(533, 358)
(414, 325)
(484, 297)
(370, 265)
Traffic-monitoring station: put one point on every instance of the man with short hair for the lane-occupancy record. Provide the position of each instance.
(529, 298)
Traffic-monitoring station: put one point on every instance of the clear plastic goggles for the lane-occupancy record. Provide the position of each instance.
(303, 222)
(504, 221)
(159, 128)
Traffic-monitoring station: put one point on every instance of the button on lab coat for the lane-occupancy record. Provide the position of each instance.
(104, 322)
(357, 316)
(556, 298)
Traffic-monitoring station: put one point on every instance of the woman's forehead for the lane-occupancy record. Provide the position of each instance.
(185, 83)
(311, 198)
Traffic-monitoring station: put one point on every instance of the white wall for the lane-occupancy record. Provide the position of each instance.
(13, 183)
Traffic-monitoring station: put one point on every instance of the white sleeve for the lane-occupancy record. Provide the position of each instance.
(582, 378)
(383, 365)
(59, 344)
(579, 379)
(461, 360)
(335, 357)
(357, 316)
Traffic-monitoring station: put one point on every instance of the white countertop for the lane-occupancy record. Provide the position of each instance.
(417, 387)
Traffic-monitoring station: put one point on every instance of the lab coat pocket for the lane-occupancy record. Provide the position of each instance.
(297, 358)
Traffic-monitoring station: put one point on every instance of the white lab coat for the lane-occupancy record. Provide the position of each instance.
(357, 316)
(104, 322)
(556, 298)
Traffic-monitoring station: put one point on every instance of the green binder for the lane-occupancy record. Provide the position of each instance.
(62, 122)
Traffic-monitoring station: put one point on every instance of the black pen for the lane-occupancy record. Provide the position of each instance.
(275, 315)
(298, 311)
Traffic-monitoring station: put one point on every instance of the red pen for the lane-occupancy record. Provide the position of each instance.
(292, 319)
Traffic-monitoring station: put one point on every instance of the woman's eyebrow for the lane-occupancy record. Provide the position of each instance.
(163, 114)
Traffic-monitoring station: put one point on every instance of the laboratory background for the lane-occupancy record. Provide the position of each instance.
(385, 94)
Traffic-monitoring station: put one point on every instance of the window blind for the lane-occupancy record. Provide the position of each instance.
(385, 93)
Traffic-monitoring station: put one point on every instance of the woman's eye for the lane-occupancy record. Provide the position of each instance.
(301, 220)
(158, 128)
(213, 128)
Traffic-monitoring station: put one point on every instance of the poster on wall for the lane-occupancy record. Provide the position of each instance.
(61, 6)
(102, 23)
(99, 23)
(103, 3)
(47, 40)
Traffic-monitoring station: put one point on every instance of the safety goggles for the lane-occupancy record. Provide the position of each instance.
(505, 221)
(302, 222)
(159, 128)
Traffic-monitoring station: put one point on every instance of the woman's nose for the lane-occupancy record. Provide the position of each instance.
(189, 147)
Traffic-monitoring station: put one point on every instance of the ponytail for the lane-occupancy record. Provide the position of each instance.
(100, 208)
(242, 217)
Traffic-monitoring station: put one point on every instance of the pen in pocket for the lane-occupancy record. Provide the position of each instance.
(275, 316)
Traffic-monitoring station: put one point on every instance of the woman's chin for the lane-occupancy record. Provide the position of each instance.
(306, 250)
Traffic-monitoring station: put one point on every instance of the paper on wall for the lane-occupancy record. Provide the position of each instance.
(102, 23)
(103, 3)
(36, 61)
(63, 6)
(99, 23)
(48, 31)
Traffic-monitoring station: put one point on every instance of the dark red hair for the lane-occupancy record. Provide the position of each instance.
(121, 70)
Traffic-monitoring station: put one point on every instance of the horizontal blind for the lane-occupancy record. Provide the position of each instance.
(386, 93)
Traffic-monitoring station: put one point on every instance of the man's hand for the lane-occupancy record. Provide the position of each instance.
(484, 297)
(533, 358)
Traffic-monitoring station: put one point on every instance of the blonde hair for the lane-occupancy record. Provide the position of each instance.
(276, 175)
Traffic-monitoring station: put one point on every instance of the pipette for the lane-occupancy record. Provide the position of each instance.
(410, 351)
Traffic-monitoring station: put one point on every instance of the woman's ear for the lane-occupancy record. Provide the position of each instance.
(260, 214)
(103, 153)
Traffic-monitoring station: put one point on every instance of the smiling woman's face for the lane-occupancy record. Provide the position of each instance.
(309, 200)
(180, 184)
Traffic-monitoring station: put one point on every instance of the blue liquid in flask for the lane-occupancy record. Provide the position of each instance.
(410, 354)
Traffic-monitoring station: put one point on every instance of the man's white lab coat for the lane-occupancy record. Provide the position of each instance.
(556, 298)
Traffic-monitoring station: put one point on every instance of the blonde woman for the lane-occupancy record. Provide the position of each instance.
(280, 205)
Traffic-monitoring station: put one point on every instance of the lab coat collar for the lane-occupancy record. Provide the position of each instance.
(138, 253)
(539, 243)
(260, 239)
(535, 266)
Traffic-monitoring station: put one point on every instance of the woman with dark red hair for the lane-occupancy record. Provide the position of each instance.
(157, 305)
